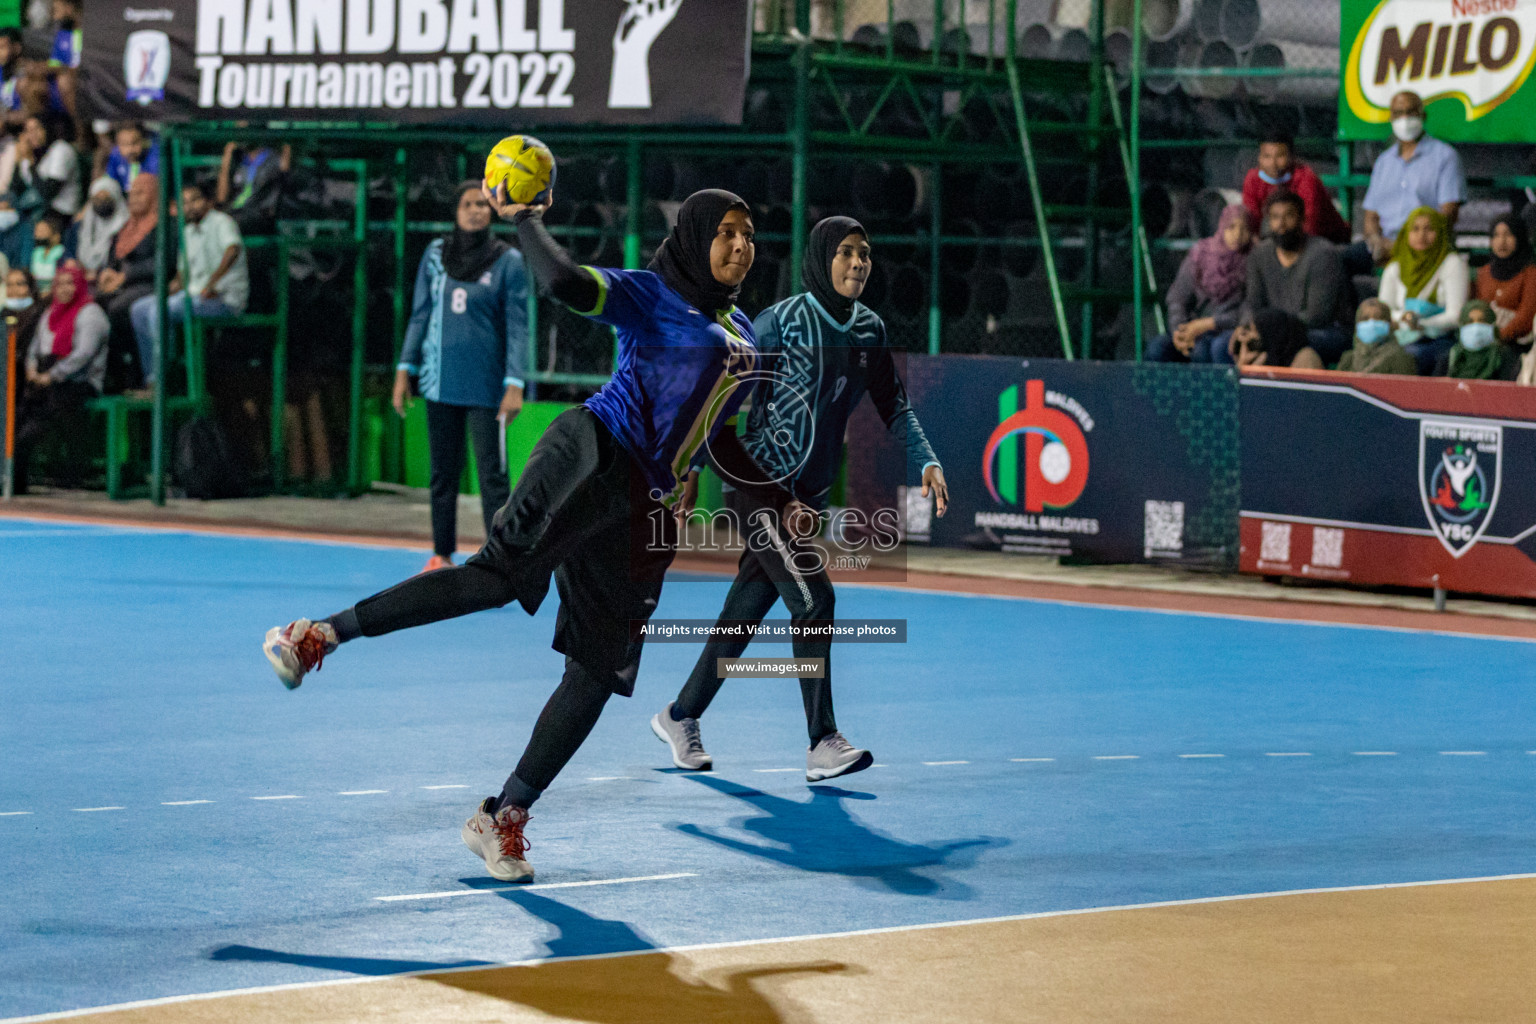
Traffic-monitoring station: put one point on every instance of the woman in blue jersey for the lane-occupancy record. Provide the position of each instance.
(822, 351)
(594, 504)
(467, 345)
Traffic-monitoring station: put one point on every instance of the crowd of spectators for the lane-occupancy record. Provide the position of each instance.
(1402, 299)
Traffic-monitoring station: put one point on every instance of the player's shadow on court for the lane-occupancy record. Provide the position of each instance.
(823, 836)
(650, 987)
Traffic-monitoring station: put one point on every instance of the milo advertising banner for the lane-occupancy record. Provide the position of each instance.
(1470, 60)
(494, 63)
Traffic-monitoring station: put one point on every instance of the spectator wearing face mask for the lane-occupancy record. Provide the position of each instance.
(1508, 281)
(1477, 354)
(47, 252)
(1425, 287)
(1278, 168)
(103, 217)
(1205, 297)
(1272, 337)
(1416, 171)
(1375, 350)
(1297, 274)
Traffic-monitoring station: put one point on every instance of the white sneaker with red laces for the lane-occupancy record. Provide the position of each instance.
(297, 648)
(498, 840)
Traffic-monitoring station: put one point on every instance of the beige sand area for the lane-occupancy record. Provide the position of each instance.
(1463, 951)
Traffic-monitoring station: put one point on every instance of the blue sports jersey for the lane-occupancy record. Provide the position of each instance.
(814, 372)
(677, 376)
(468, 340)
(66, 48)
(123, 172)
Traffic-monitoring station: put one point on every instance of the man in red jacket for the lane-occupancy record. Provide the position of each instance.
(1278, 168)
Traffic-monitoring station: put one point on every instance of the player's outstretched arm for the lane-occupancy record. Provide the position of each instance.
(556, 274)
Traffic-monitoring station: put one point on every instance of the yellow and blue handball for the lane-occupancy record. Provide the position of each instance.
(525, 165)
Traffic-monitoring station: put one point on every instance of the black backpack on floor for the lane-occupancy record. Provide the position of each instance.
(205, 465)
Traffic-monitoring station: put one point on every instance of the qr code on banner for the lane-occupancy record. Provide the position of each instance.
(1275, 542)
(917, 514)
(1327, 548)
(1163, 530)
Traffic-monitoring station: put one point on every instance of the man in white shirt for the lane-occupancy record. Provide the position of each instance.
(218, 283)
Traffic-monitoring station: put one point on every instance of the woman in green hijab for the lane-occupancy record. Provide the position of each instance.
(1478, 354)
(1425, 286)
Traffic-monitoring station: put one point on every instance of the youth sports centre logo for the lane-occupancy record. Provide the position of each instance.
(1459, 471)
(146, 65)
(1055, 459)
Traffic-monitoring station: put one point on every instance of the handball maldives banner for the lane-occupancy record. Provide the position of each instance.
(1409, 481)
(501, 64)
(1114, 462)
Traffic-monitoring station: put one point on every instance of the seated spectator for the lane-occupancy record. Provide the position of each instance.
(46, 178)
(1416, 171)
(1478, 354)
(21, 311)
(103, 217)
(1508, 281)
(133, 153)
(1204, 299)
(1278, 168)
(1273, 338)
(12, 94)
(64, 368)
(130, 275)
(1375, 350)
(47, 252)
(251, 188)
(64, 58)
(1298, 274)
(1425, 286)
(217, 283)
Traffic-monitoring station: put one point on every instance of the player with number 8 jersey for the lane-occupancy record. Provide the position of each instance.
(467, 346)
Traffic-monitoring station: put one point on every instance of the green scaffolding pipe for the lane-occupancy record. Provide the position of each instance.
(359, 323)
(800, 131)
(1133, 182)
(1058, 307)
(161, 339)
(936, 231)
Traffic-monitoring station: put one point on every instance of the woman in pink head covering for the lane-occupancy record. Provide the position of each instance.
(1204, 299)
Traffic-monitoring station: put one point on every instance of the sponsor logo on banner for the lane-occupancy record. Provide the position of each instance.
(1459, 471)
(147, 65)
(1477, 51)
(1053, 462)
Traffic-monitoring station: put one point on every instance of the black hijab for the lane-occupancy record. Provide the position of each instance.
(683, 258)
(1505, 269)
(817, 266)
(1281, 336)
(468, 254)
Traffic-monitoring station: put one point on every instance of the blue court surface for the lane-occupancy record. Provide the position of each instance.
(175, 822)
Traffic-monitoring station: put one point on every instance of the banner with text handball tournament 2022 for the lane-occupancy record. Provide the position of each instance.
(501, 64)
(1470, 60)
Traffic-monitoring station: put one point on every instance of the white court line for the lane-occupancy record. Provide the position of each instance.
(879, 766)
(606, 778)
(1031, 759)
(526, 888)
(183, 803)
(453, 786)
(1202, 755)
(1116, 757)
(768, 771)
(935, 764)
(285, 796)
(88, 810)
(1463, 753)
(1375, 753)
(361, 792)
(13, 814)
(1290, 753)
(742, 943)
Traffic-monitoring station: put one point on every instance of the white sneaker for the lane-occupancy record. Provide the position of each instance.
(297, 648)
(683, 737)
(834, 756)
(498, 840)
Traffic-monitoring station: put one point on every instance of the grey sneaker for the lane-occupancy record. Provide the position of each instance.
(834, 756)
(683, 737)
(498, 840)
